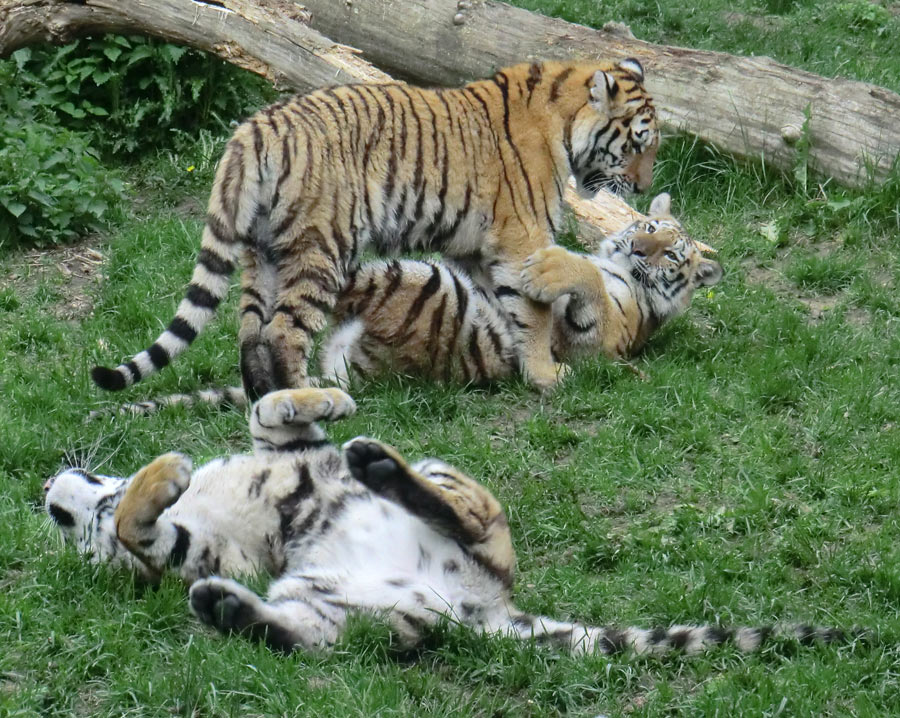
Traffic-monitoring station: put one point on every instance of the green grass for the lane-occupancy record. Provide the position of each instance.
(754, 477)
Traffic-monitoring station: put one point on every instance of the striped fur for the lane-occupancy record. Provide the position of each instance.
(479, 171)
(431, 319)
(346, 531)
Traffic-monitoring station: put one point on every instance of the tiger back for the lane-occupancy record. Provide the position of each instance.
(476, 172)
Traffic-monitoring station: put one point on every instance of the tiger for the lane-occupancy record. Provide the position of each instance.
(478, 172)
(342, 531)
(433, 319)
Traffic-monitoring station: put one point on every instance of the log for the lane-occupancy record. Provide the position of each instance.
(748, 106)
(270, 39)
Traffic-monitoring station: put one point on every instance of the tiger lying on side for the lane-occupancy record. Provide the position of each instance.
(342, 531)
(304, 186)
(432, 319)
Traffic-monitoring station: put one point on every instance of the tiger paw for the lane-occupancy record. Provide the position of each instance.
(303, 406)
(163, 480)
(224, 604)
(547, 274)
(374, 464)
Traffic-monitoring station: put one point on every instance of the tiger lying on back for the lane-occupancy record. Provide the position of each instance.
(432, 319)
(342, 532)
(305, 185)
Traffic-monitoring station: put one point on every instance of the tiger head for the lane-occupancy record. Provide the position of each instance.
(81, 504)
(662, 258)
(613, 137)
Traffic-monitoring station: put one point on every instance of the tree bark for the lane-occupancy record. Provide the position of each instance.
(750, 106)
(271, 40)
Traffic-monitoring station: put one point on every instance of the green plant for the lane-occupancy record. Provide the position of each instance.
(52, 184)
(131, 93)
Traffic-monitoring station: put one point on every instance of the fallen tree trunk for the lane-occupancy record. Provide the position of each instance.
(271, 40)
(750, 106)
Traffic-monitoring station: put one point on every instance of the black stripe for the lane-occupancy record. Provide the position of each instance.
(159, 356)
(502, 82)
(253, 309)
(181, 329)
(395, 272)
(431, 286)
(557, 83)
(613, 641)
(214, 263)
(200, 297)
(535, 72)
(434, 330)
(179, 551)
(506, 291)
(60, 515)
(218, 229)
(134, 370)
(475, 353)
(258, 147)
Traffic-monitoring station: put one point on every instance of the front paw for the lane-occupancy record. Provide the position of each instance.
(547, 275)
(374, 464)
(224, 604)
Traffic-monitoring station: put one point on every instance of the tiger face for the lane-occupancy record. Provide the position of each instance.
(81, 504)
(662, 258)
(614, 137)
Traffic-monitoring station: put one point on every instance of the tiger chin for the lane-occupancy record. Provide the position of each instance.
(306, 185)
(443, 321)
(342, 530)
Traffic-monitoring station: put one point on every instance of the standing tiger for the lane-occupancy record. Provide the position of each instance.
(476, 172)
(346, 531)
(432, 319)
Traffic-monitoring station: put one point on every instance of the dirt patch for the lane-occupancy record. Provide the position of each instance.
(73, 271)
(817, 305)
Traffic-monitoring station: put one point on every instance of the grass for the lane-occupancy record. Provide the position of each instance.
(752, 478)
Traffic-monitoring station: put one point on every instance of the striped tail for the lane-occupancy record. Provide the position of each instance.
(216, 398)
(582, 639)
(208, 287)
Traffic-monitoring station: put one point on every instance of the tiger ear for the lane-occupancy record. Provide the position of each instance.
(603, 87)
(709, 272)
(661, 204)
(633, 67)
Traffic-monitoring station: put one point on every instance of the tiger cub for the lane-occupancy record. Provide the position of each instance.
(351, 530)
(305, 185)
(432, 319)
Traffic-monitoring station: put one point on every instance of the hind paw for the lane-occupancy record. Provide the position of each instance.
(224, 604)
(304, 406)
(374, 464)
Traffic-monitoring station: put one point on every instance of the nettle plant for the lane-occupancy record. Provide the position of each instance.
(70, 112)
(129, 93)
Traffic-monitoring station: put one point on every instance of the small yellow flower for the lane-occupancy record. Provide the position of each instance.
(191, 168)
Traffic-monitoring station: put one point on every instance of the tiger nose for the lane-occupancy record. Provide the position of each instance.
(47, 484)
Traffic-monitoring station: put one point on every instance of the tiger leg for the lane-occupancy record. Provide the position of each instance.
(532, 323)
(285, 624)
(153, 489)
(255, 309)
(285, 420)
(442, 496)
(309, 276)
